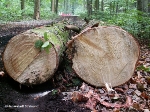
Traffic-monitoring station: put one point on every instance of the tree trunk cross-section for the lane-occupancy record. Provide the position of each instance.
(105, 55)
(29, 65)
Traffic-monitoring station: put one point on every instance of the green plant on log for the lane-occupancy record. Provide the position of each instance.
(46, 45)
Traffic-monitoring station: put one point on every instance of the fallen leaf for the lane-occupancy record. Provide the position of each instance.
(133, 86)
(137, 92)
(119, 90)
(146, 110)
(85, 87)
(129, 101)
(139, 74)
(136, 97)
(133, 81)
(2, 73)
(91, 103)
(145, 95)
(116, 110)
(101, 91)
(78, 97)
(147, 79)
(136, 106)
(140, 87)
(113, 105)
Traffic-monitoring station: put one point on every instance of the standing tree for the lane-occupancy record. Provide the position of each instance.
(102, 5)
(54, 6)
(22, 2)
(36, 9)
(89, 7)
(96, 5)
(149, 6)
(139, 5)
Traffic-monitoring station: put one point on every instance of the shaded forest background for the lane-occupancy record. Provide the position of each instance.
(131, 15)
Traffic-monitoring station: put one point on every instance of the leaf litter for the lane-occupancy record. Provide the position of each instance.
(133, 96)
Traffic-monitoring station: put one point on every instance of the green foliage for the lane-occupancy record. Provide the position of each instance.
(10, 10)
(38, 44)
(146, 69)
(54, 91)
(46, 45)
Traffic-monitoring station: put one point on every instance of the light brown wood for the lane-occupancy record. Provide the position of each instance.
(29, 65)
(105, 54)
(26, 64)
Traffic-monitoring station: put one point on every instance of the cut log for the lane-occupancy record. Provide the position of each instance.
(28, 65)
(105, 55)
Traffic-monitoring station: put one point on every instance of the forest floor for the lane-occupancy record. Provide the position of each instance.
(65, 92)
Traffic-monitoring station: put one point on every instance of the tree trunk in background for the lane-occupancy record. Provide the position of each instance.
(36, 9)
(53, 6)
(73, 7)
(149, 7)
(66, 6)
(56, 7)
(110, 8)
(102, 5)
(117, 8)
(89, 7)
(85, 4)
(139, 5)
(22, 2)
(96, 5)
(113, 7)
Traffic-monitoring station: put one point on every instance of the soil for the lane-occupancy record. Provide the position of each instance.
(33, 99)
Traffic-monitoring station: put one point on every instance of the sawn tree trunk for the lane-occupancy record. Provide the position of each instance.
(29, 65)
(105, 55)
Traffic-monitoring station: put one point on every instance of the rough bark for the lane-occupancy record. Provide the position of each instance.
(53, 5)
(102, 5)
(89, 7)
(139, 5)
(56, 8)
(29, 65)
(97, 5)
(105, 55)
(22, 4)
(36, 9)
(149, 7)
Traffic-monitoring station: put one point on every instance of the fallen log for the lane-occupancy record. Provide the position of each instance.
(29, 65)
(105, 55)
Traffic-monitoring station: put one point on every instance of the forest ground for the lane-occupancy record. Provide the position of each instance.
(65, 92)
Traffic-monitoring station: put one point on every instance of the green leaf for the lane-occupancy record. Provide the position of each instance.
(55, 91)
(38, 43)
(140, 67)
(45, 36)
(146, 69)
(45, 44)
(47, 48)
